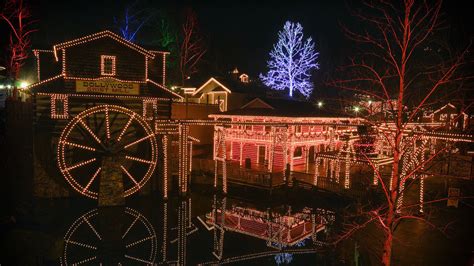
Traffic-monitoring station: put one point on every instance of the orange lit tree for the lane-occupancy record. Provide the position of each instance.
(18, 17)
(401, 65)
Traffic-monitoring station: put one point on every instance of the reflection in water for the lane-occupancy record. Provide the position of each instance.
(110, 236)
(124, 236)
(281, 229)
(286, 258)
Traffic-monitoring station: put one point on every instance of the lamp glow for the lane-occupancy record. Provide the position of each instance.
(23, 84)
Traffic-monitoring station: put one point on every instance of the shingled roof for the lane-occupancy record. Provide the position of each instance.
(278, 107)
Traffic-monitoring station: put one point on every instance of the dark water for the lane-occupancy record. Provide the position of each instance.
(180, 230)
(184, 230)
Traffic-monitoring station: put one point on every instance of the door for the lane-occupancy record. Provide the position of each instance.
(261, 154)
(311, 155)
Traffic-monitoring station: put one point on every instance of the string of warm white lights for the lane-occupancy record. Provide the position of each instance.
(99, 35)
(105, 60)
(164, 249)
(63, 101)
(165, 166)
(164, 69)
(78, 121)
(37, 54)
(100, 96)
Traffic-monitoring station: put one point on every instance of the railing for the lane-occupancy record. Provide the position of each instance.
(305, 180)
(266, 180)
(248, 135)
(240, 175)
(237, 174)
(266, 135)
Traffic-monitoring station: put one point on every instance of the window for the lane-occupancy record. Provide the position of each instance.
(107, 65)
(298, 153)
(59, 106)
(221, 104)
(149, 109)
(443, 117)
(298, 129)
(268, 128)
(244, 78)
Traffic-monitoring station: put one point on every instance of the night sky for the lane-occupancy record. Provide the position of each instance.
(237, 34)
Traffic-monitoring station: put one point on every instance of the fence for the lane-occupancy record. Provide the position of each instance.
(240, 175)
(305, 180)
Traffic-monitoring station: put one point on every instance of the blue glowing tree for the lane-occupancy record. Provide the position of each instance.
(131, 22)
(291, 61)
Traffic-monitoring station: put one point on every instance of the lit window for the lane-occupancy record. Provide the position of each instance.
(59, 106)
(107, 65)
(244, 78)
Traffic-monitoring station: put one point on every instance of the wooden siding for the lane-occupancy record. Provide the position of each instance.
(83, 60)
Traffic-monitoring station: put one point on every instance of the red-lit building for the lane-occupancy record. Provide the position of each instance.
(271, 147)
(449, 116)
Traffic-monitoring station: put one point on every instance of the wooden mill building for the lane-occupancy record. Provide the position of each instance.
(94, 96)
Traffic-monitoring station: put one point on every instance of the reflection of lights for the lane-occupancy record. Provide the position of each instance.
(78, 248)
(287, 258)
(370, 102)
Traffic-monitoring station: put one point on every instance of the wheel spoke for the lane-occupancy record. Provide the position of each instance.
(85, 260)
(80, 244)
(139, 241)
(138, 141)
(138, 259)
(90, 131)
(92, 228)
(112, 121)
(107, 122)
(80, 146)
(129, 175)
(131, 225)
(95, 119)
(125, 128)
(92, 179)
(138, 159)
(79, 164)
(129, 132)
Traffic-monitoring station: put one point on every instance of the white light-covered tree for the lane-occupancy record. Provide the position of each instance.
(291, 61)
